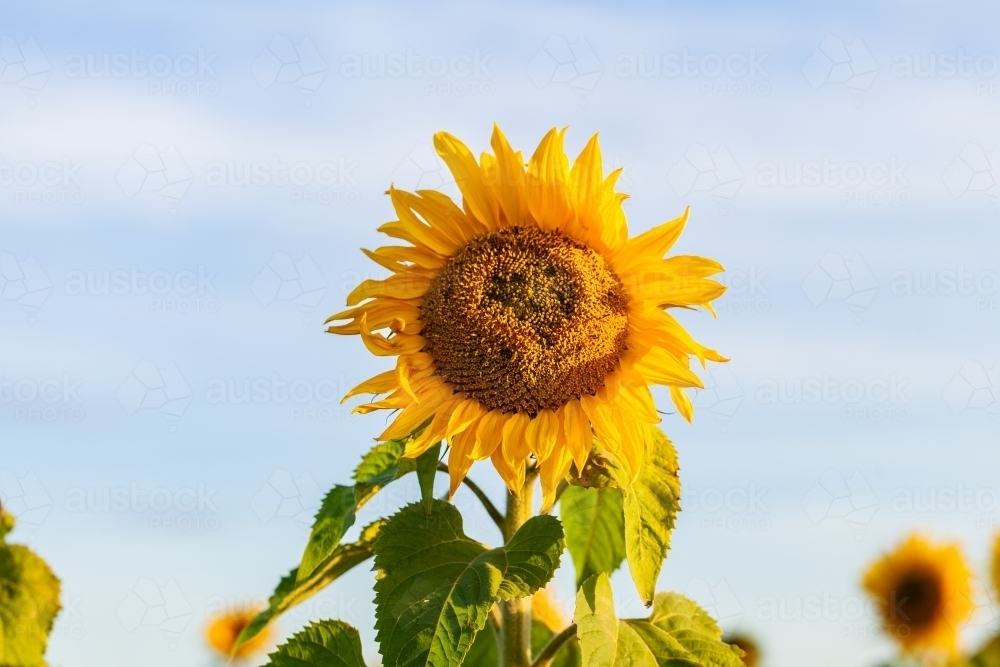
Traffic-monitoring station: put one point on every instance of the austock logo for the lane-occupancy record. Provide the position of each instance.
(285, 496)
(974, 171)
(712, 172)
(836, 62)
(150, 604)
(24, 65)
(835, 496)
(286, 62)
(722, 394)
(50, 182)
(51, 399)
(975, 387)
(560, 62)
(151, 388)
(834, 279)
(24, 282)
(25, 498)
(150, 170)
(298, 281)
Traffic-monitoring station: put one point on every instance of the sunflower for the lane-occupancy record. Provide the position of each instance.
(545, 610)
(525, 321)
(924, 594)
(222, 632)
(747, 644)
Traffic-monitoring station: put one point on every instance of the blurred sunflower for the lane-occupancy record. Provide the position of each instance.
(221, 634)
(526, 320)
(546, 611)
(924, 594)
(746, 643)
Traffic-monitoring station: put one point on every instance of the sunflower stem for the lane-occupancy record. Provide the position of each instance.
(548, 653)
(515, 630)
(488, 505)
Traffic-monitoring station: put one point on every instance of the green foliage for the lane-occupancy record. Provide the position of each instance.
(29, 603)
(6, 524)
(435, 585)
(595, 529)
(987, 656)
(483, 652)
(323, 644)
(678, 632)
(568, 654)
(651, 503)
(291, 592)
(325, 559)
(383, 464)
(335, 516)
(426, 471)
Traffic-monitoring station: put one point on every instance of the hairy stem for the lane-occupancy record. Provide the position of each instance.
(515, 635)
(544, 658)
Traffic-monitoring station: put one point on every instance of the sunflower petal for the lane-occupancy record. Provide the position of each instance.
(459, 461)
(381, 346)
(683, 403)
(469, 178)
(407, 285)
(468, 412)
(652, 244)
(435, 431)
(576, 430)
(509, 187)
(545, 185)
(380, 384)
(380, 314)
(489, 434)
(552, 471)
(585, 186)
(542, 433)
(658, 366)
(511, 473)
(515, 446)
(415, 414)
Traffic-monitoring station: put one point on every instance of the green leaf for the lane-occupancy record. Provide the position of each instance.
(678, 632)
(596, 622)
(568, 654)
(484, 649)
(988, 655)
(435, 586)
(322, 644)
(383, 464)
(651, 503)
(426, 471)
(595, 529)
(29, 602)
(335, 516)
(6, 523)
(290, 592)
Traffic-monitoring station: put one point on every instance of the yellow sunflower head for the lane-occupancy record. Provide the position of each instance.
(924, 594)
(525, 321)
(221, 634)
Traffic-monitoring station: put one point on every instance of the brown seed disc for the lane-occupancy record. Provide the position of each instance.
(523, 319)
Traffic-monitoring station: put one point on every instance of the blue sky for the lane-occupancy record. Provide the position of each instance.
(839, 160)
